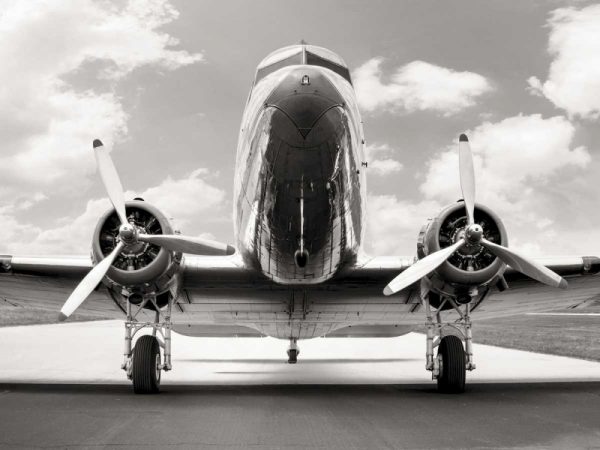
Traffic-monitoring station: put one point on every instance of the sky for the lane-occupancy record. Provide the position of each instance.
(164, 83)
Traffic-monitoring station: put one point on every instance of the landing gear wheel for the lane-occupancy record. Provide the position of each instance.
(292, 356)
(146, 365)
(451, 358)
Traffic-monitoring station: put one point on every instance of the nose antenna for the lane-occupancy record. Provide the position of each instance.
(303, 44)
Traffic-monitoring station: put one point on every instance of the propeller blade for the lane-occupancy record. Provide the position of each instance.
(421, 268)
(467, 176)
(186, 244)
(88, 284)
(526, 266)
(110, 178)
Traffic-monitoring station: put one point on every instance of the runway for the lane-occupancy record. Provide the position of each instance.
(92, 352)
(540, 415)
(61, 387)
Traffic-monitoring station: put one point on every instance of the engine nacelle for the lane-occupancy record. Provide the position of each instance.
(141, 268)
(470, 266)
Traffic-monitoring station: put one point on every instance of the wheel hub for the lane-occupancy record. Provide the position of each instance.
(158, 365)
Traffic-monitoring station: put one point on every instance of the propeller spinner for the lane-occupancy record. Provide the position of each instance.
(473, 236)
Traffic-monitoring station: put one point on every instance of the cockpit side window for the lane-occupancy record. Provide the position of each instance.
(289, 61)
(316, 60)
(302, 54)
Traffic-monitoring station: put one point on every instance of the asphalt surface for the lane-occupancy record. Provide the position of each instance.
(540, 415)
(61, 386)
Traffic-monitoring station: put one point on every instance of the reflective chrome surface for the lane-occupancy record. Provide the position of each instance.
(299, 186)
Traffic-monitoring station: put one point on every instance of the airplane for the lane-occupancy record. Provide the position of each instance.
(298, 269)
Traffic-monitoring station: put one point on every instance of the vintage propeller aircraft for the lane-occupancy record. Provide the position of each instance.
(297, 271)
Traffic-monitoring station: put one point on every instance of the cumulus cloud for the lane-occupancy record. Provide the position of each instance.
(385, 166)
(186, 199)
(181, 200)
(509, 155)
(393, 224)
(380, 162)
(12, 230)
(46, 123)
(417, 86)
(573, 82)
(518, 165)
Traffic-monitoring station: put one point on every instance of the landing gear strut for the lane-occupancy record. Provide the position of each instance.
(143, 365)
(293, 351)
(452, 360)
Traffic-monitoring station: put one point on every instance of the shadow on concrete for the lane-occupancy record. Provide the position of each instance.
(301, 361)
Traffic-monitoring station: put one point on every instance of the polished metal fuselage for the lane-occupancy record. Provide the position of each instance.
(298, 181)
(300, 185)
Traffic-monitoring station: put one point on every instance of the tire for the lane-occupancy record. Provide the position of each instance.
(146, 357)
(292, 356)
(451, 355)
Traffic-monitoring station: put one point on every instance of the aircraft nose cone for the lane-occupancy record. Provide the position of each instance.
(304, 96)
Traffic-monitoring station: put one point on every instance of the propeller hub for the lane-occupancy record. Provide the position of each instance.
(128, 234)
(474, 233)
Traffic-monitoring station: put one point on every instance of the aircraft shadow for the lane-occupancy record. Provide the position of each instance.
(474, 390)
(301, 361)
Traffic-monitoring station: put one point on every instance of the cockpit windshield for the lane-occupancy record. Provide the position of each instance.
(302, 54)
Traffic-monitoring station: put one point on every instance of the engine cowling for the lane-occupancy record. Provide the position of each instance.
(462, 251)
(470, 266)
(143, 267)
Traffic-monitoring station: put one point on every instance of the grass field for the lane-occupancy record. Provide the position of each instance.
(10, 317)
(575, 336)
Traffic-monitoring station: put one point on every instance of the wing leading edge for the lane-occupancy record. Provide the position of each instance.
(216, 288)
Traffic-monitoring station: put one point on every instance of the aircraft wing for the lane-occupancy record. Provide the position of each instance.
(220, 296)
(46, 282)
(220, 290)
(240, 301)
(524, 294)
